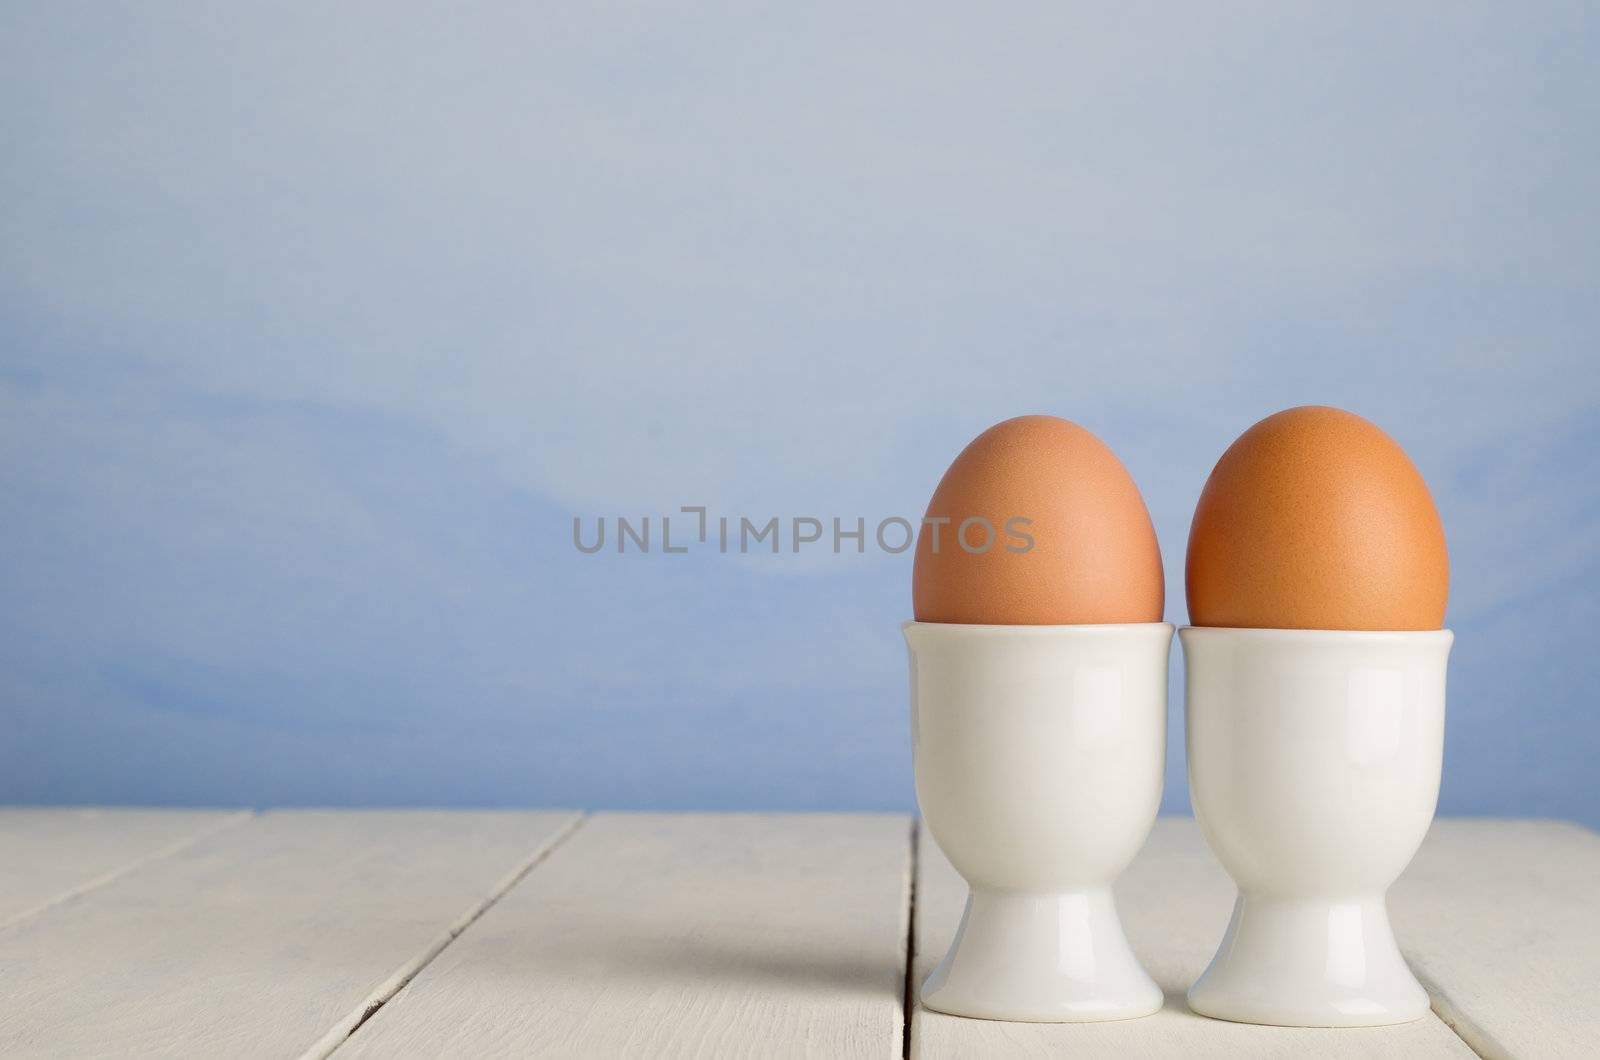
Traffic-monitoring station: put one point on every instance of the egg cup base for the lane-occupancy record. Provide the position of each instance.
(1292, 962)
(1041, 958)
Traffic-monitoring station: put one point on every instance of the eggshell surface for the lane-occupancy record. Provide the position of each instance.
(1093, 556)
(1315, 519)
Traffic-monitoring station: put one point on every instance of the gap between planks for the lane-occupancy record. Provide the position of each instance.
(386, 991)
(1452, 1017)
(909, 998)
(178, 846)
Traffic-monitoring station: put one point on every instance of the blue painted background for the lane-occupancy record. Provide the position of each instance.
(319, 325)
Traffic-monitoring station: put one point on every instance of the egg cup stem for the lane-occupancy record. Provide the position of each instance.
(1314, 764)
(1039, 754)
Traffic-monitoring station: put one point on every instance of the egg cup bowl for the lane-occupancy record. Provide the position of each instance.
(1039, 754)
(1314, 761)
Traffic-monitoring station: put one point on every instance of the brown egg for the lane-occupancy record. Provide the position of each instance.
(1315, 519)
(1072, 543)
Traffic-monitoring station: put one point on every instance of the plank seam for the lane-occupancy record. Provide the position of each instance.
(909, 999)
(346, 1028)
(105, 878)
(1471, 1035)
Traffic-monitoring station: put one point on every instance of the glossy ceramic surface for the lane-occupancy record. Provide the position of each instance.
(1039, 753)
(1314, 760)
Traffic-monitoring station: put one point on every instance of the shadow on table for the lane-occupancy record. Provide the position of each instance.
(789, 965)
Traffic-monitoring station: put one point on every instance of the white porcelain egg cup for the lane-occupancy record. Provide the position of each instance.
(1039, 753)
(1314, 759)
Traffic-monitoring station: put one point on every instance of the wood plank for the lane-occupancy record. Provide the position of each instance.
(669, 935)
(1500, 921)
(1175, 902)
(56, 854)
(269, 939)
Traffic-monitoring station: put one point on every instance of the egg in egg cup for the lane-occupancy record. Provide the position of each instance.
(1315, 700)
(1038, 717)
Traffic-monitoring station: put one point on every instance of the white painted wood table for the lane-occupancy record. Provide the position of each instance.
(482, 934)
